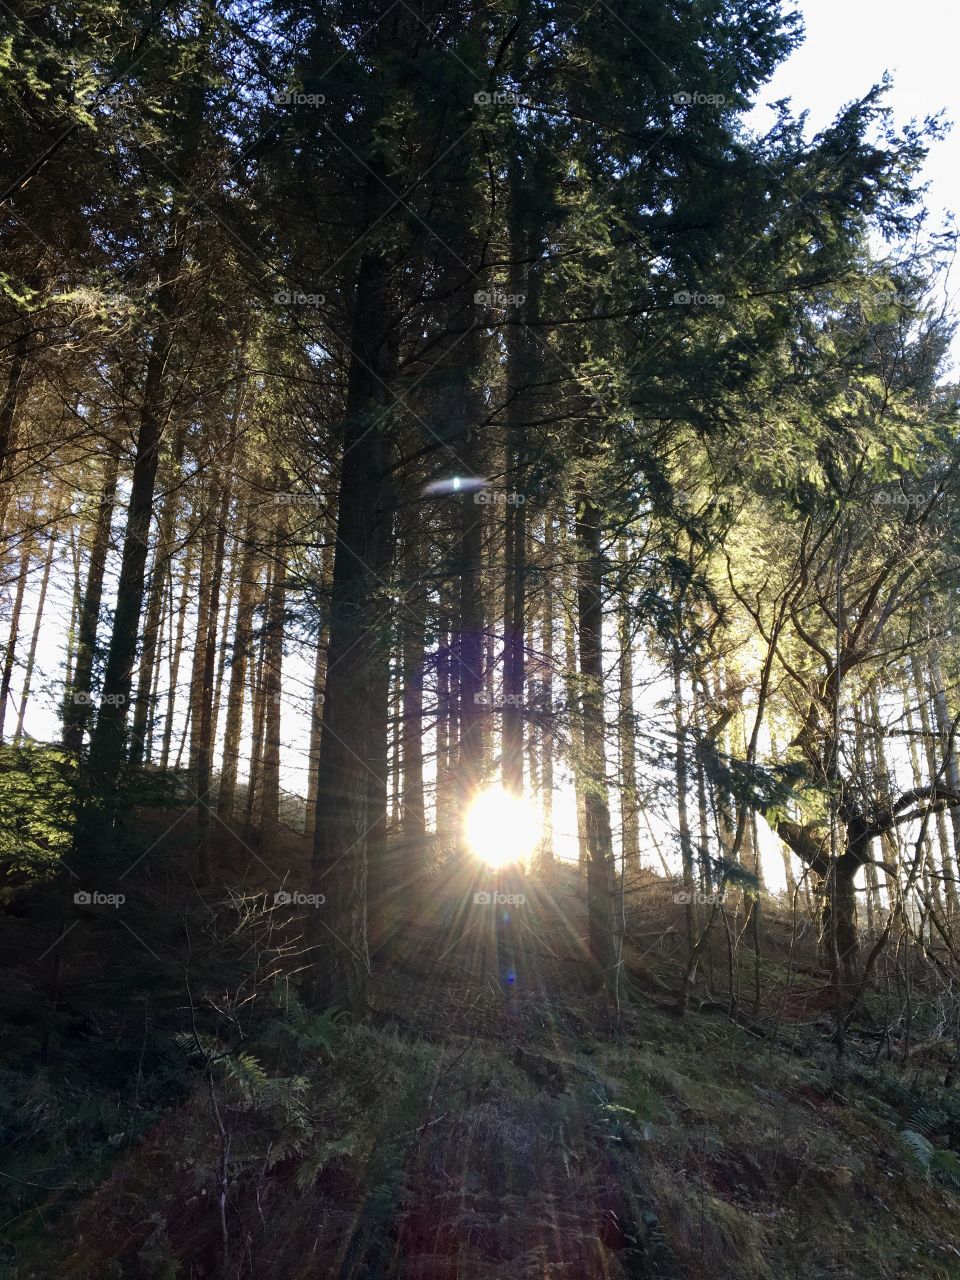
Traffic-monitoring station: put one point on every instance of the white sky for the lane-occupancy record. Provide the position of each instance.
(849, 45)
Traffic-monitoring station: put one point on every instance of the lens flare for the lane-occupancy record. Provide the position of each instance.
(502, 828)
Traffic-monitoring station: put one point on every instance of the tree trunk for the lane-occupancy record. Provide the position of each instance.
(546, 701)
(143, 708)
(339, 869)
(604, 924)
(469, 642)
(35, 638)
(272, 682)
(950, 854)
(252, 811)
(413, 815)
(76, 711)
(572, 692)
(10, 655)
(683, 819)
(107, 741)
(176, 653)
(13, 393)
(204, 706)
(627, 737)
(239, 660)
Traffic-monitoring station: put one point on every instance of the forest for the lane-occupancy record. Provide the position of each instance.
(479, 650)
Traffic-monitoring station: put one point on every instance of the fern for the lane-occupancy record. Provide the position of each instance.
(297, 1027)
(931, 1159)
(919, 1148)
(947, 1163)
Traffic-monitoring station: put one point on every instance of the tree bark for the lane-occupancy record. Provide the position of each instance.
(339, 867)
(35, 638)
(76, 711)
(8, 658)
(627, 737)
(239, 660)
(604, 926)
(176, 653)
(143, 708)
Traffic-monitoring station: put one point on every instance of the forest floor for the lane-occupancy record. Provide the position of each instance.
(489, 1119)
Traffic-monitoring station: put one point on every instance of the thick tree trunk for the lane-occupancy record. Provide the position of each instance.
(413, 814)
(143, 708)
(76, 711)
(207, 539)
(469, 642)
(35, 638)
(12, 396)
(203, 708)
(627, 737)
(9, 656)
(604, 918)
(75, 601)
(683, 819)
(316, 706)
(272, 683)
(107, 741)
(252, 811)
(343, 818)
(546, 703)
(176, 653)
(952, 774)
(941, 719)
(445, 795)
(568, 554)
(239, 660)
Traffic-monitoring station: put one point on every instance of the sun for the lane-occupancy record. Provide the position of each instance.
(501, 828)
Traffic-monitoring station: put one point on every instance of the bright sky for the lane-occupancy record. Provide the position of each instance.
(850, 44)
